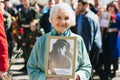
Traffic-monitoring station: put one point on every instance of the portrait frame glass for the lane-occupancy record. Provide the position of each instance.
(105, 19)
(60, 64)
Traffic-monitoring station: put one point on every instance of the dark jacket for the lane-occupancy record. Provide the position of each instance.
(91, 31)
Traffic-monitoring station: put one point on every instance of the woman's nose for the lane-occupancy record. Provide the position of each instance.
(63, 21)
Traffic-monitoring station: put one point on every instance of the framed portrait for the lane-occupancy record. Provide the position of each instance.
(61, 56)
(104, 19)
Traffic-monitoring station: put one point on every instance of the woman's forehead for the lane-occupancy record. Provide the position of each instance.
(62, 12)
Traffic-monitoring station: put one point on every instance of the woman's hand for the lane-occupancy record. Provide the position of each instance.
(110, 30)
(76, 77)
(2, 75)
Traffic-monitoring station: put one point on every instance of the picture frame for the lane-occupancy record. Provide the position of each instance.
(104, 19)
(60, 57)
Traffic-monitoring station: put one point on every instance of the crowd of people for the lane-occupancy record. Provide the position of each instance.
(26, 22)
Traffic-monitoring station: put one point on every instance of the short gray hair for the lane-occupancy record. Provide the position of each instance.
(64, 7)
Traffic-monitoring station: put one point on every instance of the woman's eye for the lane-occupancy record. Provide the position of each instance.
(58, 17)
(66, 18)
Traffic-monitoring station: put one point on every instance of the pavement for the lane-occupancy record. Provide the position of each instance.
(17, 73)
(22, 75)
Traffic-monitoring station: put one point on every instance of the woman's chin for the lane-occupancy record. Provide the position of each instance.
(61, 31)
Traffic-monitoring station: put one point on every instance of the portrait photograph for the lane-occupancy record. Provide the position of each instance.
(104, 19)
(60, 61)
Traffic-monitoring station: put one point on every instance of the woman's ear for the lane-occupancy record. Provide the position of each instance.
(51, 20)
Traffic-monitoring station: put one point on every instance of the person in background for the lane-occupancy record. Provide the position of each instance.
(88, 27)
(44, 19)
(62, 17)
(3, 45)
(32, 36)
(95, 7)
(110, 49)
(9, 7)
(38, 8)
(25, 15)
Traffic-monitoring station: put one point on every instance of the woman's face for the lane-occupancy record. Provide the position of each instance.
(111, 9)
(61, 21)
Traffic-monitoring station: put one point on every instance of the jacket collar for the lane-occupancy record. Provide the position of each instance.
(66, 33)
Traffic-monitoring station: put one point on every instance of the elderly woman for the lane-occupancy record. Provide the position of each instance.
(62, 18)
